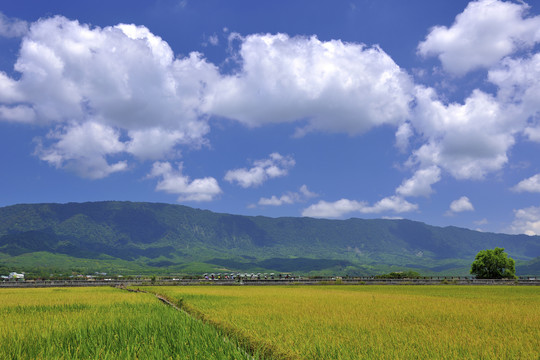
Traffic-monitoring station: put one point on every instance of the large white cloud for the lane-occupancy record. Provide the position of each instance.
(526, 221)
(331, 85)
(83, 149)
(518, 81)
(485, 32)
(337, 209)
(126, 78)
(175, 182)
(468, 140)
(471, 139)
(129, 78)
(275, 166)
(123, 77)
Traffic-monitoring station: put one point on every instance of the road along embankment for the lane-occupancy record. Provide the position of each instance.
(261, 282)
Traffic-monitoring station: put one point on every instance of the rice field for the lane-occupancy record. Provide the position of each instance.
(103, 323)
(273, 322)
(372, 322)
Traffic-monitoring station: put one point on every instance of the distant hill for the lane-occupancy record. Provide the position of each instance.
(129, 237)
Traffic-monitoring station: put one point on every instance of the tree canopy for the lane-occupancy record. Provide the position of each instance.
(493, 264)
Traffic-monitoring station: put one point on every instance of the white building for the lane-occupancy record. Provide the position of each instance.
(15, 276)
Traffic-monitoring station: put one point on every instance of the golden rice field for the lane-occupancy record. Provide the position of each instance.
(102, 323)
(373, 322)
(287, 322)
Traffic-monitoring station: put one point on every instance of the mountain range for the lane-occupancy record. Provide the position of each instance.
(146, 238)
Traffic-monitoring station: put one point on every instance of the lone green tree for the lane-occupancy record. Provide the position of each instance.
(493, 264)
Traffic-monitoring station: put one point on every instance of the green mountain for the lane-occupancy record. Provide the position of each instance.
(130, 238)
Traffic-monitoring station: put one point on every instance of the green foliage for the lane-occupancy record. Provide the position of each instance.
(298, 265)
(399, 275)
(493, 264)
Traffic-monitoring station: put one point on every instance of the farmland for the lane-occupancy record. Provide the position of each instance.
(392, 322)
(274, 322)
(102, 323)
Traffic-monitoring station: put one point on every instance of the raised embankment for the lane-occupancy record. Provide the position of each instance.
(194, 282)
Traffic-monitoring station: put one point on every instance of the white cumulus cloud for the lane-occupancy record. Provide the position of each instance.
(485, 32)
(324, 209)
(391, 203)
(123, 77)
(468, 140)
(460, 205)
(275, 165)
(83, 149)
(175, 182)
(526, 221)
(518, 81)
(531, 184)
(333, 85)
(420, 183)
(337, 209)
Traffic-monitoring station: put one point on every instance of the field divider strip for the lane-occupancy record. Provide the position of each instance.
(168, 302)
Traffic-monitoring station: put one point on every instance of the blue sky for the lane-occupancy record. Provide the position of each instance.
(426, 110)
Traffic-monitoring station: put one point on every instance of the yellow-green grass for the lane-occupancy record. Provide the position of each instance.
(374, 322)
(102, 323)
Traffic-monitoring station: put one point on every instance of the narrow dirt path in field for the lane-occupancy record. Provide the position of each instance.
(178, 308)
(166, 301)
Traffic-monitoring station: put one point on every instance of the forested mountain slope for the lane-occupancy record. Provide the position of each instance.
(131, 237)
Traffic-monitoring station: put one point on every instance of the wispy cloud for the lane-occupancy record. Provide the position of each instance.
(288, 198)
(12, 27)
